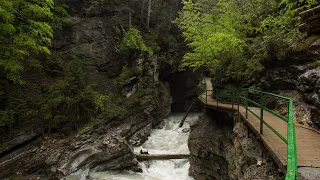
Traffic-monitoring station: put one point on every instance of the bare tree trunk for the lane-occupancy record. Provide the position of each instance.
(170, 17)
(149, 14)
(186, 115)
(123, 29)
(130, 19)
(142, 11)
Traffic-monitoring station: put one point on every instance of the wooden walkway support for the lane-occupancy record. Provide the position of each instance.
(307, 139)
(186, 115)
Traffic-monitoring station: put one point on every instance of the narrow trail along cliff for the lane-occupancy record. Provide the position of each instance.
(308, 154)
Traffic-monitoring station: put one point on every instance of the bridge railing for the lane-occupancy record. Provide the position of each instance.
(251, 97)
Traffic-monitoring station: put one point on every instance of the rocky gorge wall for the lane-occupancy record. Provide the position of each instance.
(104, 143)
(222, 147)
(297, 78)
(104, 146)
(299, 82)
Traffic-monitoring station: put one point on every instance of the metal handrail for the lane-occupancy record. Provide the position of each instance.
(238, 94)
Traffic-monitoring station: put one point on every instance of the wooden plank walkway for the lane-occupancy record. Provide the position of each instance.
(308, 139)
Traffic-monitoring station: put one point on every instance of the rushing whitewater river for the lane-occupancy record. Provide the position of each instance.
(168, 140)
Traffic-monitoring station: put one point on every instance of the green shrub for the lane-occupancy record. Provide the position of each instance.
(126, 74)
(66, 96)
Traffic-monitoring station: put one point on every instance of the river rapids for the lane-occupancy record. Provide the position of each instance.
(169, 140)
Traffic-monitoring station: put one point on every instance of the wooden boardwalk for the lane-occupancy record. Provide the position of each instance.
(308, 139)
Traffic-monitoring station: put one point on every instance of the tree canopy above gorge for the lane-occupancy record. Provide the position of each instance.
(234, 38)
(26, 31)
(231, 38)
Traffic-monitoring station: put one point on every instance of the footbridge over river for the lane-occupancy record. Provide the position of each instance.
(290, 145)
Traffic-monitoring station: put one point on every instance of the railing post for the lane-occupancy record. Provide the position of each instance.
(292, 146)
(261, 112)
(247, 97)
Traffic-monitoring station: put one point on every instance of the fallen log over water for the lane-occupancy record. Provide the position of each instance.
(142, 157)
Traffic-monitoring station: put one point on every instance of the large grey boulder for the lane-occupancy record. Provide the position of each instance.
(96, 149)
(309, 86)
(110, 152)
(309, 82)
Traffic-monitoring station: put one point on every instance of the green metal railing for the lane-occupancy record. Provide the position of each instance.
(254, 97)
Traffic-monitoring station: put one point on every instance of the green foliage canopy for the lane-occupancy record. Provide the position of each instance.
(65, 97)
(232, 38)
(133, 40)
(26, 30)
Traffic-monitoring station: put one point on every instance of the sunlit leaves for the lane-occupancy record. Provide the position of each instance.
(25, 31)
(133, 40)
(210, 33)
(232, 38)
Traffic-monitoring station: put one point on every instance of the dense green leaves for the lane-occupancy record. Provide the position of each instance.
(66, 97)
(25, 33)
(212, 33)
(133, 40)
(232, 38)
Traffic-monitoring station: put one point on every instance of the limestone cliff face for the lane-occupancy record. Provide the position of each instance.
(309, 86)
(222, 147)
(296, 78)
(93, 38)
(299, 82)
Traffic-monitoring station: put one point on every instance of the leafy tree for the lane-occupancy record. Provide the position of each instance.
(211, 33)
(233, 38)
(25, 33)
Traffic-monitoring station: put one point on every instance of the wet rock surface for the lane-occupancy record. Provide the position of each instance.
(309, 173)
(17, 138)
(299, 82)
(92, 38)
(104, 146)
(97, 149)
(107, 152)
(222, 148)
(281, 78)
(309, 86)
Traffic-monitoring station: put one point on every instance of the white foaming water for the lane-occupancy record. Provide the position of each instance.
(168, 140)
